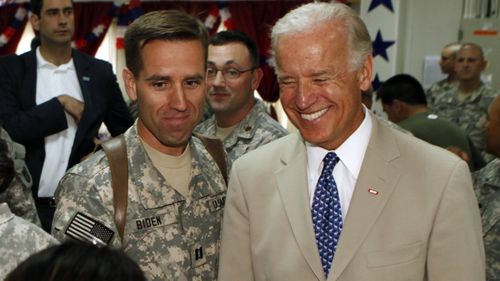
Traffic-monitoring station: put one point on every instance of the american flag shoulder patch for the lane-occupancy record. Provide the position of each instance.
(87, 229)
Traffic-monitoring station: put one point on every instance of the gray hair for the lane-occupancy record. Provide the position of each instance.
(306, 17)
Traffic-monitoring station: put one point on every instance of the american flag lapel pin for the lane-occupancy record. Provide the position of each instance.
(372, 191)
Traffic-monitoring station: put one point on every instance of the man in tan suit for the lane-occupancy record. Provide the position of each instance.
(394, 207)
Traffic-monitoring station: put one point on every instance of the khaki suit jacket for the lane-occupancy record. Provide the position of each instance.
(423, 224)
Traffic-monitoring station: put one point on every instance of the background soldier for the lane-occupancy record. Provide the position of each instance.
(447, 64)
(233, 74)
(175, 189)
(467, 105)
(18, 195)
(20, 238)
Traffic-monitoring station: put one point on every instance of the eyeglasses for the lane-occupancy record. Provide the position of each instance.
(230, 73)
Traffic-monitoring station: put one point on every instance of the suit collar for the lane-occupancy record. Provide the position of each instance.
(84, 75)
(377, 175)
(292, 186)
(375, 184)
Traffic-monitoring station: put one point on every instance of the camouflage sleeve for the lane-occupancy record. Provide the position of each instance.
(491, 234)
(20, 200)
(84, 212)
(20, 240)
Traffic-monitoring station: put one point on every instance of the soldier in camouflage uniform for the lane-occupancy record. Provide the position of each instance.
(20, 238)
(18, 195)
(447, 64)
(467, 105)
(174, 212)
(233, 74)
(487, 188)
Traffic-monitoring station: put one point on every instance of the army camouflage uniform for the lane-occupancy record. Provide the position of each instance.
(18, 195)
(256, 129)
(20, 239)
(469, 114)
(170, 236)
(487, 188)
(437, 89)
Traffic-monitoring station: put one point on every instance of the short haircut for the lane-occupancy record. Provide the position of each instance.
(308, 16)
(236, 36)
(473, 45)
(402, 87)
(169, 25)
(7, 171)
(453, 47)
(74, 260)
(37, 5)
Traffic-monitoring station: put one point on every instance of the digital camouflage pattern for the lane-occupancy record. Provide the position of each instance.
(256, 129)
(470, 114)
(487, 188)
(18, 195)
(20, 239)
(171, 237)
(437, 89)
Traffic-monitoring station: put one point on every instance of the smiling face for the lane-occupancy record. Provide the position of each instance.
(56, 23)
(232, 97)
(170, 92)
(319, 92)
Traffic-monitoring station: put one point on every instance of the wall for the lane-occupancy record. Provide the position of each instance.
(426, 26)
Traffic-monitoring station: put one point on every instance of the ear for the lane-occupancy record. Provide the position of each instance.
(256, 78)
(397, 106)
(365, 74)
(130, 84)
(35, 22)
(484, 65)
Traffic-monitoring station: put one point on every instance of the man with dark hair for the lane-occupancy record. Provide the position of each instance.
(233, 74)
(53, 100)
(176, 191)
(467, 105)
(75, 260)
(403, 100)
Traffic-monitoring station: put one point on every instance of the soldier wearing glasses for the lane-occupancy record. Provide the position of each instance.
(233, 73)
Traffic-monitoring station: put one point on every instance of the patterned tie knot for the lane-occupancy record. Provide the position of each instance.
(331, 159)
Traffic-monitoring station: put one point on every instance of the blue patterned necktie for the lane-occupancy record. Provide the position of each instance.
(326, 212)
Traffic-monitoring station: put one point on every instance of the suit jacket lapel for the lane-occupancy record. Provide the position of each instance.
(28, 92)
(292, 186)
(374, 186)
(83, 73)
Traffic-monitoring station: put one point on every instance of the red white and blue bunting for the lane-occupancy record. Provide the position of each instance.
(220, 10)
(126, 16)
(13, 26)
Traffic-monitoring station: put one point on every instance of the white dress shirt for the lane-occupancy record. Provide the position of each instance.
(345, 173)
(53, 81)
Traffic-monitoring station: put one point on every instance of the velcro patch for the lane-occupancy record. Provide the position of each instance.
(217, 202)
(87, 229)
